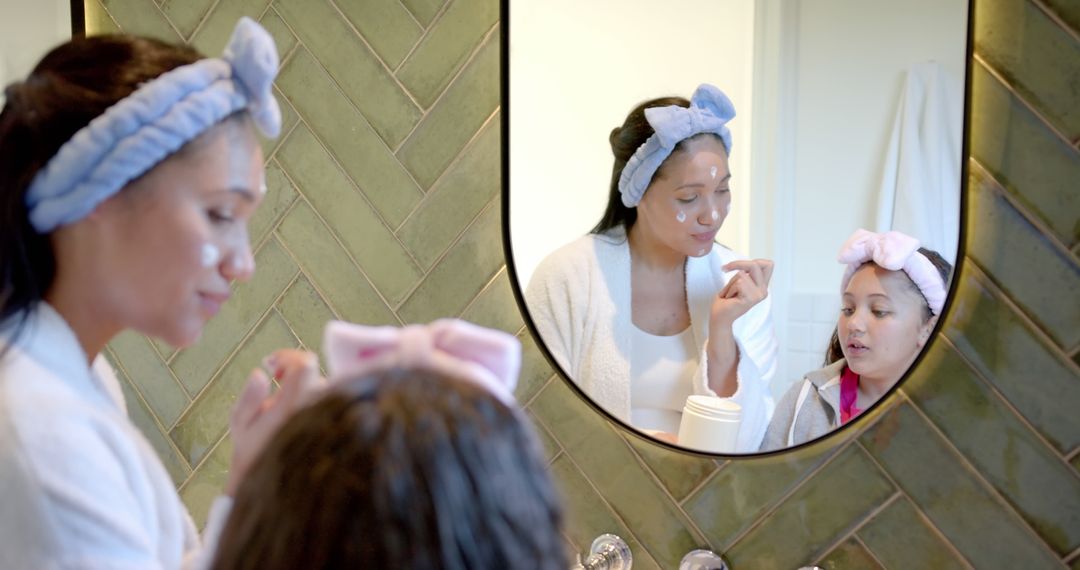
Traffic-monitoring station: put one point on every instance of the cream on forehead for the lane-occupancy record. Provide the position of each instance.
(712, 172)
(210, 255)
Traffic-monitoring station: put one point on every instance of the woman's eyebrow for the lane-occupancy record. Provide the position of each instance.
(245, 193)
(699, 184)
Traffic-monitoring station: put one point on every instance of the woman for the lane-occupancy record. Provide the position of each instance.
(128, 172)
(647, 310)
(420, 459)
(892, 294)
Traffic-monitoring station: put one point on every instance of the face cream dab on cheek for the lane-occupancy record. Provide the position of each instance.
(715, 215)
(211, 255)
(681, 216)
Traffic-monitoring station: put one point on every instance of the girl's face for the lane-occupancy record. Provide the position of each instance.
(881, 326)
(173, 240)
(689, 197)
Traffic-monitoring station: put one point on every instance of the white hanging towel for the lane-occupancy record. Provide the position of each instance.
(920, 186)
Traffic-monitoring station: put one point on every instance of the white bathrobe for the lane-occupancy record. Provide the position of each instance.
(91, 492)
(579, 299)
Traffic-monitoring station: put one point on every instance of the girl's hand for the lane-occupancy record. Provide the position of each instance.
(747, 288)
(258, 414)
(291, 365)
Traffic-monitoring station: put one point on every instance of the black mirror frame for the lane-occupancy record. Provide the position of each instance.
(858, 423)
(78, 18)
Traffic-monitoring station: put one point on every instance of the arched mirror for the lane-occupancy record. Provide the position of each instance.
(752, 140)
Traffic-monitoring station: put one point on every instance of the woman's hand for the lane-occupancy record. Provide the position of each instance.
(663, 436)
(258, 414)
(747, 288)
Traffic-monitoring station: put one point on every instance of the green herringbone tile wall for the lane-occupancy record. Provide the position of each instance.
(384, 208)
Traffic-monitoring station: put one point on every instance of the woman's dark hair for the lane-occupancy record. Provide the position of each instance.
(625, 140)
(835, 352)
(71, 85)
(401, 469)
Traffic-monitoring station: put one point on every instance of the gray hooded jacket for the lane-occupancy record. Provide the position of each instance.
(808, 410)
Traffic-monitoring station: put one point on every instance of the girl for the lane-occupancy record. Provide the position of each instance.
(892, 295)
(647, 309)
(129, 169)
(417, 457)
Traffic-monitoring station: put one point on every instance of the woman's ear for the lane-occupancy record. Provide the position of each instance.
(925, 330)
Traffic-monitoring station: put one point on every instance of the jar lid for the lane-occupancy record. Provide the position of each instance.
(713, 407)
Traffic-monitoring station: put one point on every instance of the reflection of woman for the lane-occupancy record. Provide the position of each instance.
(893, 292)
(129, 170)
(640, 313)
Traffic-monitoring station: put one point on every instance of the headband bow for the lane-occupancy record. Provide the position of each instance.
(709, 112)
(158, 118)
(896, 252)
(488, 358)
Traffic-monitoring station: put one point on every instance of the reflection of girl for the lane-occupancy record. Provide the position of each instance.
(640, 313)
(129, 170)
(419, 458)
(893, 292)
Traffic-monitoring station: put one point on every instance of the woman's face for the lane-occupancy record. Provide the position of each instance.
(172, 241)
(689, 197)
(881, 326)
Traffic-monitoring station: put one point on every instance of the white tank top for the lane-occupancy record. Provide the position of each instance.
(661, 375)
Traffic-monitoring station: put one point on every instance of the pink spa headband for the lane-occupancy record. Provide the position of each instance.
(485, 357)
(896, 252)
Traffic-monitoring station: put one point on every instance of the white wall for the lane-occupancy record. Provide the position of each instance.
(29, 29)
(846, 63)
(845, 114)
(577, 67)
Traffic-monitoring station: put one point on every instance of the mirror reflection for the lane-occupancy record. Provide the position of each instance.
(734, 222)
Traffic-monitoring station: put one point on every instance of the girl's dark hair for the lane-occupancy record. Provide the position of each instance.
(625, 140)
(401, 469)
(71, 85)
(835, 352)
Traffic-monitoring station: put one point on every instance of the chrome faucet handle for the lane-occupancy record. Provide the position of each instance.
(608, 552)
(702, 559)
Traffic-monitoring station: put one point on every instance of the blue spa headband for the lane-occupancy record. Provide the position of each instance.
(158, 118)
(709, 112)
